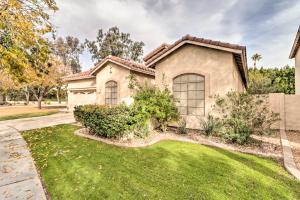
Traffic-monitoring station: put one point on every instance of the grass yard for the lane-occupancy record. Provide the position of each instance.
(76, 168)
(17, 112)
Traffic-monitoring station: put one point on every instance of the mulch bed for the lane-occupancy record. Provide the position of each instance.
(294, 139)
(268, 145)
(260, 145)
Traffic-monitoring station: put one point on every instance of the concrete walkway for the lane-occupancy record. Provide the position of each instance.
(18, 175)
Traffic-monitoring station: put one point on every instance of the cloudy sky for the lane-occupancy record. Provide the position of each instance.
(267, 27)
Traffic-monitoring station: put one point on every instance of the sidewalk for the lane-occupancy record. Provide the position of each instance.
(19, 178)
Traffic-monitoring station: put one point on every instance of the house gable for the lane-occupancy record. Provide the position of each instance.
(239, 52)
(127, 64)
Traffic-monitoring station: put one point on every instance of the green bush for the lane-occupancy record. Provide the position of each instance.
(211, 125)
(110, 122)
(47, 102)
(182, 126)
(243, 114)
(235, 131)
(155, 104)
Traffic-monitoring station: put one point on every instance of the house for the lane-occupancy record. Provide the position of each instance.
(194, 69)
(106, 83)
(295, 53)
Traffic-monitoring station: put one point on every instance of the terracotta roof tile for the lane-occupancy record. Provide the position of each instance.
(138, 67)
(80, 75)
(155, 51)
(132, 65)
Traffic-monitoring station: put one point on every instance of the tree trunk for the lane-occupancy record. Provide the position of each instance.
(40, 102)
(27, 98)
(27, 95)
(58, 95)
(254, 67)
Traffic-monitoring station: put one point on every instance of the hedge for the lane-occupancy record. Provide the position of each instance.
(110, 122)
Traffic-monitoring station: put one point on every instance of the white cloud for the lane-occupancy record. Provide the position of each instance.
(266, 27)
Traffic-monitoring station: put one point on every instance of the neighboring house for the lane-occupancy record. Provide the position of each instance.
(106, 83)
(295, 53)
(194, 69)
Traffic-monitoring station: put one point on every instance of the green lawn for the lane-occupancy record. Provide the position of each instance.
(27, 115)
(77, 168)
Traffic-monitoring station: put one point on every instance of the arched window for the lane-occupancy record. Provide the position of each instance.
(188, 89)
(111, 93)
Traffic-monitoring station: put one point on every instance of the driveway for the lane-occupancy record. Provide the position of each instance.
(18, 175)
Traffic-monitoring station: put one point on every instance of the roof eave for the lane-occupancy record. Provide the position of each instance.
(296, 45)
(79, 78)
(121, 64)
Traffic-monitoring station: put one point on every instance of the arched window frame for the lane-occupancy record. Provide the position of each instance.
(111, 93)
(190, 94)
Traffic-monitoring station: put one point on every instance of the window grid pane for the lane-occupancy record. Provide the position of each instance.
(188, 89)
(111, 93)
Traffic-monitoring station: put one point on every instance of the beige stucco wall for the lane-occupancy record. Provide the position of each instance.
(113, 72)
(288, 106)
(78, 93)
(83, 83)
(297, 72)
(218, 68)
(292, 112)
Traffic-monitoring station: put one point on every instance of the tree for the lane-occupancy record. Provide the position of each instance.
(69, 50)
(267, 80)
(45, 80)
(7, 84)
(256, 57)
(115, 43)
(22, 27)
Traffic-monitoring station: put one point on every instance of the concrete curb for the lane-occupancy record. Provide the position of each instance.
(288, 157)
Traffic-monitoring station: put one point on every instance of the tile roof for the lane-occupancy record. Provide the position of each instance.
(296, 45)
(132, 65)
(155, 51)
(240, 55)
(80, 75)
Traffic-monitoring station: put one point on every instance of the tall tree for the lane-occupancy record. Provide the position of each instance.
(267, 80)
(46, 79)
(115, 43)
(22, 27)
(256, 57)
(69, 50)
(6, 84)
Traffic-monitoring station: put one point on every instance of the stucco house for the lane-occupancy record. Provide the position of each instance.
(106, 83)
(194, 69)
(295, 53)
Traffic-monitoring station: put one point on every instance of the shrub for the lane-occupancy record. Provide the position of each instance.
(210, 125)
(235, 131)
(105, 121)
(243, 114)
(47, 102)
(155, 104)
(182, 126)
